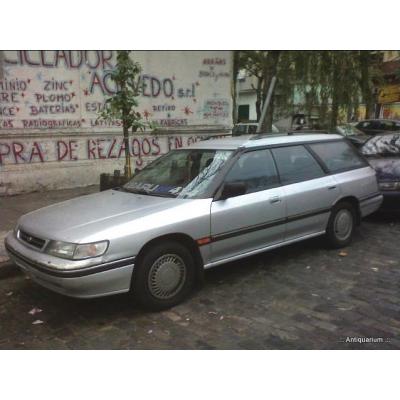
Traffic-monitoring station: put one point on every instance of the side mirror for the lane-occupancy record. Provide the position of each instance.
(232, 190)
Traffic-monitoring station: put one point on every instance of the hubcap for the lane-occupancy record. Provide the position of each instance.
(167, 276)
(343, 224)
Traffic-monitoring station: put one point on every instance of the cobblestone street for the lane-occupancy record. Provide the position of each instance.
(298, 297)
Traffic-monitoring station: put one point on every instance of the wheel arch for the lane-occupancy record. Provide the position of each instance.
(183, 239)
(355, 203)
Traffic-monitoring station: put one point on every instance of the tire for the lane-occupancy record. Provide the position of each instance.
(164, 276)
(341, 224)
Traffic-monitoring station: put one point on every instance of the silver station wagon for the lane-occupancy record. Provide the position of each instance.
(195, 208)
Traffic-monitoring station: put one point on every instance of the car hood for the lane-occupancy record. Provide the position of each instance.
(387, 168)
(75, 219)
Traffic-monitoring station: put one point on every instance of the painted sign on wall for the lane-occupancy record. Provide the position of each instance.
(50, 133)
(93, 148)
(60, 89)
(35, 163)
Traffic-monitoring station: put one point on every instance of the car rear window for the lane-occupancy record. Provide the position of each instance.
(337, 156)
(296, 164)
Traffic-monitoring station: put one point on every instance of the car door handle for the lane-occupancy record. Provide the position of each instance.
(274, 199)
(331, 187)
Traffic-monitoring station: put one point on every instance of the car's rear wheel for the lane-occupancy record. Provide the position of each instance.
(339, 232)
(164, 276)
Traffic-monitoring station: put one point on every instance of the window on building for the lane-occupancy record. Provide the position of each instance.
(243, 112)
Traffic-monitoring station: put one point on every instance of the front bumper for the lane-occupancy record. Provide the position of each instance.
(97, 280)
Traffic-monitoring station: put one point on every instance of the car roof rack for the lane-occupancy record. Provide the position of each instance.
(288, 133)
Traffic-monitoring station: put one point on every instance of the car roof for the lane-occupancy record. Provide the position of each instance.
(249, 141)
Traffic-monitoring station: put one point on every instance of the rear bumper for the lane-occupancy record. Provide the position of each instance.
(391, 201)
(370, 204)
(94, 281)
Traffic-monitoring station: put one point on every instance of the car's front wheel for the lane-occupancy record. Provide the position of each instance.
(164, 276)
(341, 225)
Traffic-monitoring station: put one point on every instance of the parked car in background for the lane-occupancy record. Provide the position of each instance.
(355, 135)
(195, 208)
(383, 153)
(375, 126)
(301, 121)
(248, 128)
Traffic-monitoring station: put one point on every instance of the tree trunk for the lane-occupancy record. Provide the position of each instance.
(365, 84)
(335, 91)
(127, 168)
(236, 55)
(259, 97)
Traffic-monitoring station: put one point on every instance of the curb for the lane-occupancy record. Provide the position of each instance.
(3, 254)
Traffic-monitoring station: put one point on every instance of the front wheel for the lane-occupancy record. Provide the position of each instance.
(164, 276)
(339, 232)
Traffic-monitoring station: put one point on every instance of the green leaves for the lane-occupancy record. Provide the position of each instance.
(332, 82)
(123, 104)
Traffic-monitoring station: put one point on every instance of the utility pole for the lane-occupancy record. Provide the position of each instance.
(237, 88)
(266, 103)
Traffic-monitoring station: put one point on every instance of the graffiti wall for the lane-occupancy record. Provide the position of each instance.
(66, 89)
(46, 164)
(50, 100)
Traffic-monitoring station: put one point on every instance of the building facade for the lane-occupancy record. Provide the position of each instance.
(389, 93)
(247, 97)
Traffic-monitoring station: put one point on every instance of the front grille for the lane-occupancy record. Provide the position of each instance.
(32, 240)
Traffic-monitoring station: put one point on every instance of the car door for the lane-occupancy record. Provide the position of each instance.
(309, 193)
(255, 219)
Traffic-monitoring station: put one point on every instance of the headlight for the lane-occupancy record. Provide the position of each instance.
(90, 250)
(74, 251)
(389, 185)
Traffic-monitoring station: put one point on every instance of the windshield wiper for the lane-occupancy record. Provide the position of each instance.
(158, 194)
(145, 192)
(135, 191)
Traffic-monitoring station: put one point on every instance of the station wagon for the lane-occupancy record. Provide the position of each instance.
(193, 209)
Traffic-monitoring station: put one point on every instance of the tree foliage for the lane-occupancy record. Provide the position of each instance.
(332, 82)
(123, 104)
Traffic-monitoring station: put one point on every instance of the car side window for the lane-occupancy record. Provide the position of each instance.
(338, 156)
(256, 169)
(296, 164)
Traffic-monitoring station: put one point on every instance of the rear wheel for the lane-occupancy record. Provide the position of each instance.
(164, 276)
(339, 232)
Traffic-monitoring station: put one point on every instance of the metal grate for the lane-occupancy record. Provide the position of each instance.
(32, 240)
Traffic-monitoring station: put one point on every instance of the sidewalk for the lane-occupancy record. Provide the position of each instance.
(12, 207)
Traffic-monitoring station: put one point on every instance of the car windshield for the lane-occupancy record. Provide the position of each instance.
(382, 145)
(180, 173)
